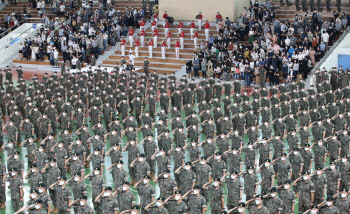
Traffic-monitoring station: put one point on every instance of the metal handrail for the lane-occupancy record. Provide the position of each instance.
(32, 18)
(330, 51)
(14, 39)
(10, 29)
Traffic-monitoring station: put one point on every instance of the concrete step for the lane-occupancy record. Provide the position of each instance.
(139, 63)
(159, 54)
(151, 60)
(158, 50)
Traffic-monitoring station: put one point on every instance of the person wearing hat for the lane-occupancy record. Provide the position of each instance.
(250, 152)
(163, 161)
(204, 174)
(34, 177)
(333, 178)
(240, 208)
(134, 210)
(126, 198)
(208, 126)
(44, 196)
(76, 165)
(108, 202)
(167, 185)
(264, 144)
(283, 169)
(179, 160)
(35, 207)
(272, 202)
(193, 149)
(320, 185)
(80, 205)
(12, 131)
(250, 182)
(218, 165)
(157, 206)
(306, 189)
(320, 153)
(257, 207)
(329, 207)
(267, 176)
(97, 159)
(33, 197)
(343, 167)
(196, 202)
(342, 202)
(334, 147)
(141, 167)
(146, 191)
(14, 161)
(339, 123)
(344, 138)
(77, 184)
(187, 177)
(61, 155)
(118, 173)
(63, 195)
(217, 195)
(51, 172)
(97, 183)
(287, 195)
(239, 123)
(234, 188)
(174, 203)
(297, 162)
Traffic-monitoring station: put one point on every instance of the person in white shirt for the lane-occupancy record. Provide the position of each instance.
(62, 9)
(55, 57)
(325, 38)
(132, 58)
(38, 6)
(74, 62)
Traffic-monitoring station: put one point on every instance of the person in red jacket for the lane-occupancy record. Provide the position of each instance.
(180, 25)
(142, 24)
(163, 44)
(218, 17)
(155, 17)
(155, 36)
(199, 18)
(150, 48)
(131, 36)
(142, 37)
(122, 45)
(136, 44)
(154, 24)
(182, 38)
(195, 39)
(192, 25)
(166, 27)
(177, 49)
(168, 40)
(206, 30)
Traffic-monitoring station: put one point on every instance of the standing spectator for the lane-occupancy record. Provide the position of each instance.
(196, 66)
(204, 68)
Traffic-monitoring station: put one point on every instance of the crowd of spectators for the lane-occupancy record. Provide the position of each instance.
(79, 33)
(264, 43)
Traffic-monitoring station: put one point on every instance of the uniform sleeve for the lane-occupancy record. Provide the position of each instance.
(312, 187)
(280, 205)
(203, 202)
(153, 193)
(115, 205)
